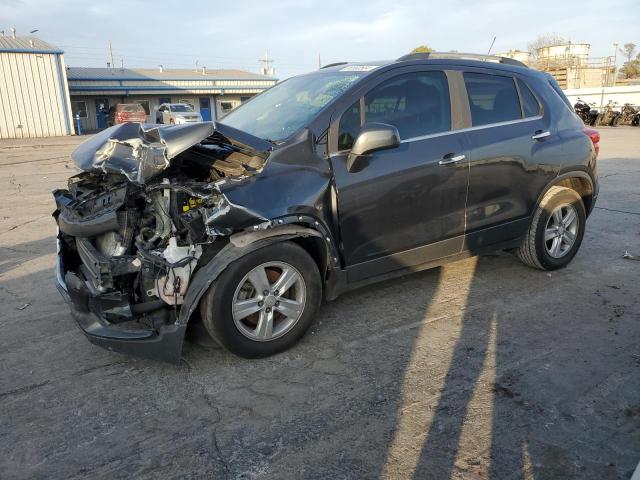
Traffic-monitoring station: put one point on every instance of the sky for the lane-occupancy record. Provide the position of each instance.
(177, 34)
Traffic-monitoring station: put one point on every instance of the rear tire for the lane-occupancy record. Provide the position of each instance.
(279, 318)
(556, 231)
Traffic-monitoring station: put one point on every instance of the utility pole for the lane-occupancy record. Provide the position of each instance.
(319, 62)
(615, 60)
(267, 69)
(111, 54)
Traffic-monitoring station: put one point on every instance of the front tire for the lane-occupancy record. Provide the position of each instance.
(264, 302)
(556, 231)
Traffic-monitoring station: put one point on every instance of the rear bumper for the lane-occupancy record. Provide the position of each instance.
(88, 310)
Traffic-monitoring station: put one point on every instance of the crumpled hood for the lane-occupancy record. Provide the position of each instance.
(141, 151)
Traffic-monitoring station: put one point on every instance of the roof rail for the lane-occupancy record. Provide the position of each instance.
(334, 65)
(461, 56)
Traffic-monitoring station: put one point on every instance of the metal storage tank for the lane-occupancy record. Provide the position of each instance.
(34, 96)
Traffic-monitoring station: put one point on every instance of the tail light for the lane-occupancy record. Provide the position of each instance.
(594, 135)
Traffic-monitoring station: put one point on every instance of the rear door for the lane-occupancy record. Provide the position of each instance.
(512, 155)
(405, 205)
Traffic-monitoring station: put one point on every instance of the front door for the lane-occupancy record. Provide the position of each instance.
(405, 206)
(205, 109)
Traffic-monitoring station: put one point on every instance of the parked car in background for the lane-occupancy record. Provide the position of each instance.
(177, 113)
(328, 181)
(126, 112)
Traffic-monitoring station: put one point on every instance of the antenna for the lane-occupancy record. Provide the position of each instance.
(111, 53)
(494, 41)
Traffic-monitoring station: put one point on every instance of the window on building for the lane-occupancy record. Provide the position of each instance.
(79, 109)
(492, 98)
(226, 106)
(144, 104)
(162, 100)
(415, 103)
(530, 105)
(244, 98)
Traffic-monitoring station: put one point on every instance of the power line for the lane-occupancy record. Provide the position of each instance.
(165, 55)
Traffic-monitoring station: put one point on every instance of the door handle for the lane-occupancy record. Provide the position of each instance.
(450, 158)
(540, 134)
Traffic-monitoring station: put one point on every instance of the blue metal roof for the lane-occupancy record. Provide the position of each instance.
(118, 74)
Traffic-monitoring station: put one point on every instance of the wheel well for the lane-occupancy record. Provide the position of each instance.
(582, 187)
(315, 247)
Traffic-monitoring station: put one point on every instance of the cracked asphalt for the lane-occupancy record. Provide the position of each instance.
(480, 369)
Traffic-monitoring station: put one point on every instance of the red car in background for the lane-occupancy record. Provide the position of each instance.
(127, 112)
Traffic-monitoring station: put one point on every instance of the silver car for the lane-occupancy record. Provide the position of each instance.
(177, 113)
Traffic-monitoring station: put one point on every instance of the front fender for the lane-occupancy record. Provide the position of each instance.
(243, 243)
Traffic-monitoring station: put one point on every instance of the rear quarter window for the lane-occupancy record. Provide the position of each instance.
(492, 98)
(559, 92)
(530, 105)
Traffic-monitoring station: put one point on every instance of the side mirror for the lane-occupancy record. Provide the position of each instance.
(372, 137)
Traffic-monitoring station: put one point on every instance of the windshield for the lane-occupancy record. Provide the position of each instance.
(288, 106)
(181, 108)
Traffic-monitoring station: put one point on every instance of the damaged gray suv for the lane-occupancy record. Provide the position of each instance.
(326, 182)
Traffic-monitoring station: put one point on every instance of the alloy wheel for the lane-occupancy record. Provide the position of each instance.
(561, 230)
(269, 301)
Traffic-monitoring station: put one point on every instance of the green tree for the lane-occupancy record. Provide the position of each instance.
(422, 49)
(631, 68)
(628, 50)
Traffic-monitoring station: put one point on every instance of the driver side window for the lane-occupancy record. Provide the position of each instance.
(416, 104)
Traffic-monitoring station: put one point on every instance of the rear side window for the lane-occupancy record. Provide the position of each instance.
(416, 104)
(492, 98)
(530, 105)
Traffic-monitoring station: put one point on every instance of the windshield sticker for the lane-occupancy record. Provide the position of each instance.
(359, 68)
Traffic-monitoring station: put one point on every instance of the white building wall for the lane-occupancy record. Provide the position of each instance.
(620, 95)
(34, 98)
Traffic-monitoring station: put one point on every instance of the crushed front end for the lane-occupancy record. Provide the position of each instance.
(137, 224)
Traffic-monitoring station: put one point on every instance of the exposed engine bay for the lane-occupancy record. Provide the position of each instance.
(134, 225)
